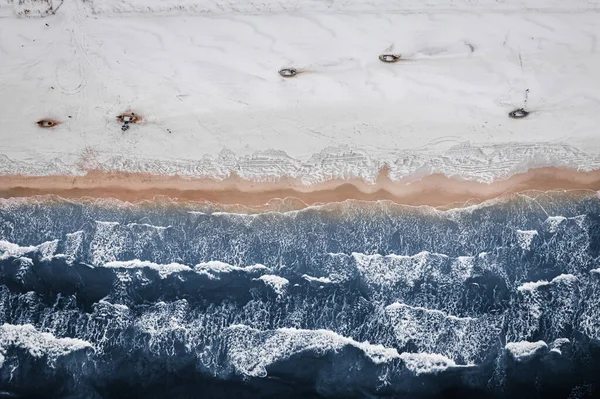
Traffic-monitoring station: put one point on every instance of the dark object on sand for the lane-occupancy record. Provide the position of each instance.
(389, 57)
(288, 72)
(128, 117)
(46, 123)
(518, 113)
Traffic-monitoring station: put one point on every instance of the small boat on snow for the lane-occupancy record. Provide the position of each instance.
(518, 113)
(46, 123)
(389, 57)
(288, 72)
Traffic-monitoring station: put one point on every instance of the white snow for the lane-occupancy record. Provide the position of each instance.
(523, 350)
(216, 7)
(29, 8)
(205, 80)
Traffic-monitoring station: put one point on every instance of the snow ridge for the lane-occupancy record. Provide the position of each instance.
(485, 163)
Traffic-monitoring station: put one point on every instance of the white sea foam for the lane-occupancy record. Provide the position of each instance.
(108, 242)
(462, 339)
(151, 226)
(580, 220)
(534, 285)
(531, 286)
(277, 283)
(164, 270)
(564, 278)
(426, 363)
(401, 306)
(553, 303)
(47, 249)
(252, 350)
(164, 319)
(10, 249)
(103, 223)
(391, 269)
(121, 307)
(525, 237)
(524, 350)
(37, 344)
(73, 244)
(318, 280)
(214, 269)
(553, 222)
(557, 344)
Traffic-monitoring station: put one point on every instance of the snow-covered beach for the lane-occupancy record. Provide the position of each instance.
(204, 77)
(412, 210)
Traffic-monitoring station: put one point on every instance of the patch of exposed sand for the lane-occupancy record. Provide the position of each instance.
(433, 190)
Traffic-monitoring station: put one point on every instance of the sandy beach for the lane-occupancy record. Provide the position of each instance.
(433, 190)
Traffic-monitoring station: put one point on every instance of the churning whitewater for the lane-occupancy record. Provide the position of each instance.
(105, 299)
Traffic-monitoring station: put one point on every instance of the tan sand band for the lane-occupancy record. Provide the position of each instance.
(432, 190)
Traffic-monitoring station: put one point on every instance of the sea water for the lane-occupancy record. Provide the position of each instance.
(105, 299)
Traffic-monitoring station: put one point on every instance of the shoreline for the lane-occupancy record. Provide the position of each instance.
(432, 190)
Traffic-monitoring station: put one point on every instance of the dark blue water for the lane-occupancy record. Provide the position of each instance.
(355, 300)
